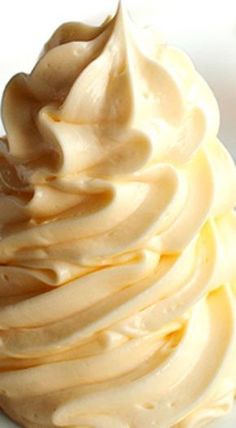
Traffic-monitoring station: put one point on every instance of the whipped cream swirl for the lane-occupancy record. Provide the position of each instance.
(117, 237)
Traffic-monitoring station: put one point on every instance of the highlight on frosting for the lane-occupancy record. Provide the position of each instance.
(117, 237)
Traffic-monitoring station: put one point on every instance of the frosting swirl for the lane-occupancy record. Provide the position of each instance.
(117, 239)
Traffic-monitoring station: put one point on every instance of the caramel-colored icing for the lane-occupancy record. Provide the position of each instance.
(117, 237)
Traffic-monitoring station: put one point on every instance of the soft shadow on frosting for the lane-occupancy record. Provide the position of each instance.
(117, 238)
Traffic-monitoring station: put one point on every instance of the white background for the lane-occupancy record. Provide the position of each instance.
(205, 29)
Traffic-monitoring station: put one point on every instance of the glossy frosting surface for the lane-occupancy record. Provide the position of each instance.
(117, 237)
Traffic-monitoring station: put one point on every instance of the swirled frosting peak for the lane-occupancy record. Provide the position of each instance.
(117, 237)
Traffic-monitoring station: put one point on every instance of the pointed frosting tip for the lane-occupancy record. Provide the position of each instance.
(121, 7)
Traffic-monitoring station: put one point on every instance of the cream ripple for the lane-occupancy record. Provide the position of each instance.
(92, 399)
(111, 309)
(152, 205)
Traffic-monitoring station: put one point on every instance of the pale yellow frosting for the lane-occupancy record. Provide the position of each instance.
(118, 238)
